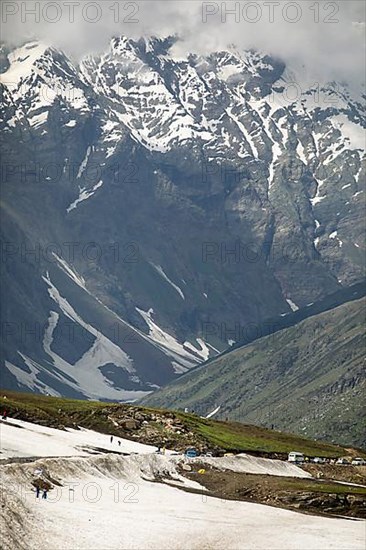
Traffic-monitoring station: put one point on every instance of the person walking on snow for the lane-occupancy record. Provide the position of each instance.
(38, 491)
(44, 494)
(111, 438)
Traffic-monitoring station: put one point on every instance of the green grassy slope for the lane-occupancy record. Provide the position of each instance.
(308, 379)
(203, 433)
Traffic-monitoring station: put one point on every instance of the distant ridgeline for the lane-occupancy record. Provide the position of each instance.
(275, 324)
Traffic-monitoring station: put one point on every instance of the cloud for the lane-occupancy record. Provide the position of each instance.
(327, 37)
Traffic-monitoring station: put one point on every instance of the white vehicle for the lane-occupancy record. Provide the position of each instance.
(318, 460)
(342, 461)
(358, 462)
(296, 457)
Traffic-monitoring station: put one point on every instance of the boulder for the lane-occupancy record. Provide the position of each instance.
(130, 424)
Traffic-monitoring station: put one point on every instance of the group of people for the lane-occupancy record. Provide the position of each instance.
(44, 492)
(160, 450)
(40, 484)
(111, 440)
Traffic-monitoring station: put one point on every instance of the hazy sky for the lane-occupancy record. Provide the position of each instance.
(329, 37)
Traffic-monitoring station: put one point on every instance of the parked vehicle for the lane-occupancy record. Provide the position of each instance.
(296, 457)
(342, 461)
(191, 453)
(318, 460)
(358, 462)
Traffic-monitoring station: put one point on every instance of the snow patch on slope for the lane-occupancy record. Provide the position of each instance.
(276, 153)
(161, 272)
(354, 133)
(84, 195)
(292, 304)
(22, 63)
(301, 152)
(215, 411)
(203, 350)
(167, 342)
(84, 376)
(318, 197)
(71, 272)
(29, 378)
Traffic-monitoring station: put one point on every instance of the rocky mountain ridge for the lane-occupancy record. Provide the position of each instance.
(152, 205)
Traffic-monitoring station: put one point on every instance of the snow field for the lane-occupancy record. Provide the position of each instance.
(111, 501)
(107, 503)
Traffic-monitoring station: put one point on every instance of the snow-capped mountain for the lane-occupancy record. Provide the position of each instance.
(154, 209)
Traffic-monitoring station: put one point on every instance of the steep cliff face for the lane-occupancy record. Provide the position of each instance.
(154, 208)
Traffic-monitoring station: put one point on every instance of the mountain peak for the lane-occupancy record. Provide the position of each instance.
(22, 62)
(165, 158)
